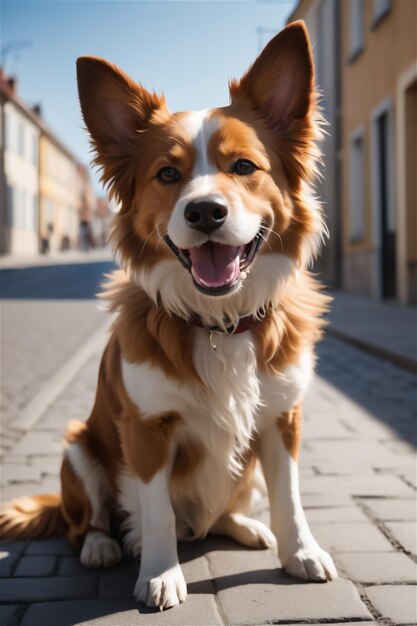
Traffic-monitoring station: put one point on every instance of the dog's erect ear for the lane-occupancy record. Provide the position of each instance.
(114, 107)
(280, 84)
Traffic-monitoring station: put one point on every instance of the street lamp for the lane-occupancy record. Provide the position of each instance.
(20, 44)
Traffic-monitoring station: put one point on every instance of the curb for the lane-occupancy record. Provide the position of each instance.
(398, 359)
(59, 381)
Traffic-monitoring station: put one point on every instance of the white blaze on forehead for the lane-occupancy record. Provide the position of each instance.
(242, 224)
(201, 125)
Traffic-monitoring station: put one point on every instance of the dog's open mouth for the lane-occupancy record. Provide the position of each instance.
(217, 268)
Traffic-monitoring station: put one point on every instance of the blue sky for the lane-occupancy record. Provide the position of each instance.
(186, 49)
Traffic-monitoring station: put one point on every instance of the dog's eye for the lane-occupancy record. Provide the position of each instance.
(168, 175)
(244, 167)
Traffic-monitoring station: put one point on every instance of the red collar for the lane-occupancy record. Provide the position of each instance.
(245, 323)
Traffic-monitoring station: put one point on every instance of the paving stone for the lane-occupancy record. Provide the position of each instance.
(341, 514)
(350, 537)
(390, 509)
(368, 428)
(227, 558)
(72, 566)
(36, 443)
(53, 546)
(17, 490)
(36, 566)
(410, 478)
(377, 485)
(47, 464)
(328, 428)
(7, 561)
(118, 582)
(15, 547)
(10, 614)
(14, 472)
(41, 336)
(319, 500)
(262, 601)
(405, 533)
(338, 469)
(368, 567)
(43, 589)
(401, 447)
(398, 602)
(198, 610)
(252, 590)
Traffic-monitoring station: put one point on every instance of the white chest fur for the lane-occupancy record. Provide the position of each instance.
(223, 416)
(236, 397)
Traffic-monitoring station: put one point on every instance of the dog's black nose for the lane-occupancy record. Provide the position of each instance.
(206, 215)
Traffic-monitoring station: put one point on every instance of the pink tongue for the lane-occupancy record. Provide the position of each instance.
(215, 265)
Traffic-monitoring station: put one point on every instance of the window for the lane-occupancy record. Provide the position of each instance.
(34, 149)
(356, 27)
(357, 227)
(49, 211)
(10, 198)
(381, 9)
(7, 130)
(21, 139)
(11, 123)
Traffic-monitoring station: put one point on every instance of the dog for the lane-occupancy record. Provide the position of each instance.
(217, 316)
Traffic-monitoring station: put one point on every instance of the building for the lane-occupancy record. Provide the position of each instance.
(88, 204)
(19, 178)
(379, 108)
(59, 196)
(102, 219)
(322, 19)
(45, 190)
(373, 119)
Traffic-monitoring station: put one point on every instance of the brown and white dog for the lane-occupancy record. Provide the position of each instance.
(212, 348)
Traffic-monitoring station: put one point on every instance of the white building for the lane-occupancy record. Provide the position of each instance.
(20, 185)
(322, 19)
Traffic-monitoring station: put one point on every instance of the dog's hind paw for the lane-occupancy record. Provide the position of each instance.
(245, 530)
(100, 550)
(164, 591)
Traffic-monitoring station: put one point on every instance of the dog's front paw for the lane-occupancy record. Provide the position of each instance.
(311, 564)
(163, 591)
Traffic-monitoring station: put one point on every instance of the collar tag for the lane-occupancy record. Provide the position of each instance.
(214, 335)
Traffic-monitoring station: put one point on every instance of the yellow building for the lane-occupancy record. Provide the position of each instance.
(59, 196)
(45, 192)
(379, 108)
(19, 184)
(373, 121)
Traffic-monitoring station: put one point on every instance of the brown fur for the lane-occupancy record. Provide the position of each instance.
(146, 443)
(76, 508)
(134, 135)
(147, 333)
(289, 425)
(32, 517)
(292, 324)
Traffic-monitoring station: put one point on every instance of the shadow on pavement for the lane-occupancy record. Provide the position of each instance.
(380, 387)
(75, 281)
(116, 584)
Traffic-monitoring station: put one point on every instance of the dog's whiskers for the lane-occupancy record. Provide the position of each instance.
(273, 232)
(147, 239)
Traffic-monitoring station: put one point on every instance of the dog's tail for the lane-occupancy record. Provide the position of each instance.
(32, 518)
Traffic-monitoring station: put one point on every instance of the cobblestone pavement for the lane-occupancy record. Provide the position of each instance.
(37, 338)
(358, 480)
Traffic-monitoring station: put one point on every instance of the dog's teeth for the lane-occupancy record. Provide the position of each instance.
(243, 275)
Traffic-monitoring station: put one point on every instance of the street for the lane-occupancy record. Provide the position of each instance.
(358, 480)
